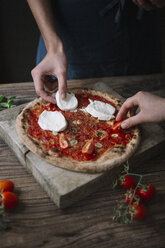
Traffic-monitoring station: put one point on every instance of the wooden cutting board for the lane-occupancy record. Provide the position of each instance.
(66, 187)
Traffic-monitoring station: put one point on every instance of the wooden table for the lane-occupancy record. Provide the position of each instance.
(38, 223)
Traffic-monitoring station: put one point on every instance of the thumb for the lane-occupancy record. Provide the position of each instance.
(132, 121)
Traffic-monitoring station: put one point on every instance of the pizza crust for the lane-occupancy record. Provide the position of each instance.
(109, 159)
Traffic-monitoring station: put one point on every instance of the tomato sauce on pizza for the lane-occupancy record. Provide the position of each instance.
(85, 138)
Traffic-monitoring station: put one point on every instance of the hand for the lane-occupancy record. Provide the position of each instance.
(149, 4)
(152, 109)
(54, 63)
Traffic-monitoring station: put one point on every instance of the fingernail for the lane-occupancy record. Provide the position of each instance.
(124, 125)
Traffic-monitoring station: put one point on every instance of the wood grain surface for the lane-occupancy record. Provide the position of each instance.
(38, 223)
(66, 187)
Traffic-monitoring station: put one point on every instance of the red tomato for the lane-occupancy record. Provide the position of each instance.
(146, 192)
(89, 147)
(138, 211)
(63, 141)
(127, 182)
(128, 197)
(117, 125)
(6, 185)
(10, 200)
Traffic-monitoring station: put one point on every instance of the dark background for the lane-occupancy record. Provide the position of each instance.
(18, 41)
(19, 37)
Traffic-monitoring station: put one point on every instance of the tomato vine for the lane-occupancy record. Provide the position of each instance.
(134, 209)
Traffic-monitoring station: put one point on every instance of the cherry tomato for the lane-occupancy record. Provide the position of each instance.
(6, 185)
(10, 200)
(127, 182)
(64, 143)
(89, 147)
(146, 192)
(128, 197)
(117, 125)
(138, 211)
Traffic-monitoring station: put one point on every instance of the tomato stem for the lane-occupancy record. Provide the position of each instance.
(144, 175)
(133, 195)
(125, 214)
(3, 224)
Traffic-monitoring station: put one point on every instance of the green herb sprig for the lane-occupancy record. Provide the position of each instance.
(6, 103)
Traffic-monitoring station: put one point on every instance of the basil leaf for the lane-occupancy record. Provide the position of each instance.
(10, 99)
(12, 106)
(1, 98)
(4, 104)
(9, 104)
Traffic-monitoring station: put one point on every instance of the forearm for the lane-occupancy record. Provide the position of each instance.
(43, 15)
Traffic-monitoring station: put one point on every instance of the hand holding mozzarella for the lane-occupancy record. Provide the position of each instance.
(152, 109)
(54, 64)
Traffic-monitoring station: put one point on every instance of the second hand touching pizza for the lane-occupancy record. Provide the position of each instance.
(78, 133)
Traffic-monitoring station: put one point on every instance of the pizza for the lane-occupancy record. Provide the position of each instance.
(79, 133)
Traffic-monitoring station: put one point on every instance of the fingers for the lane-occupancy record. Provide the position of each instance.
(45, 81)
(54, 64)
(133, 111)
(39, 87)
(132, 121)
(129, 105)
(50, 83)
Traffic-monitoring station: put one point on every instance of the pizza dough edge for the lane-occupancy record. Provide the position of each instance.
(107, 161)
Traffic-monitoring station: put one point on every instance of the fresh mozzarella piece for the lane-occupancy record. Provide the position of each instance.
(52, 121)
(69, 103)
(101, 110)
